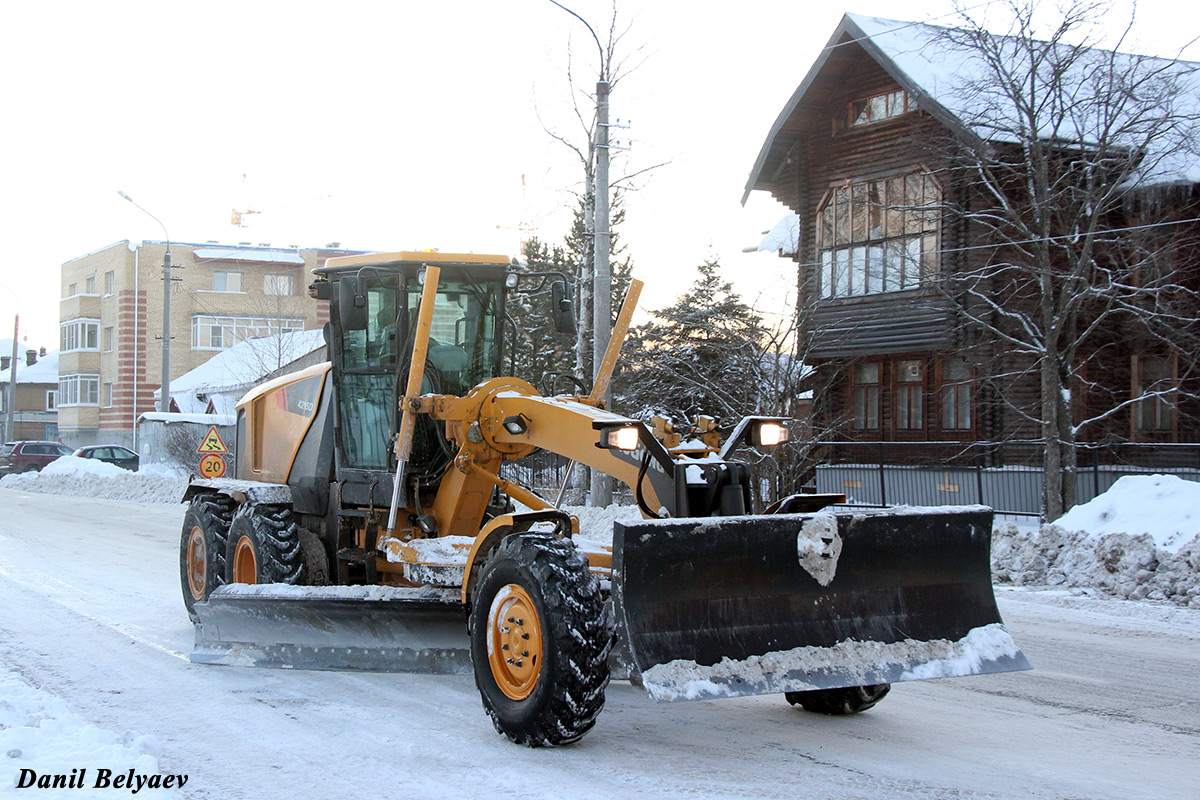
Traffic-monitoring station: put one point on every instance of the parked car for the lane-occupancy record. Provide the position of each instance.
(112, 454)
(29, 456)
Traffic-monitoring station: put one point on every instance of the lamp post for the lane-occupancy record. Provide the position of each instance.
(165, 391)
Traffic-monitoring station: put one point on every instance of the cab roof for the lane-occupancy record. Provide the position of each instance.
(411, 257)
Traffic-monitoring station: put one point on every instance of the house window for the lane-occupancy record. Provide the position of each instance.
(879, 235)
(108, 395)
(71, 289)
(51, 399)
(108, 339)
(277, 284)
(78, 390)
(880, 107)
(956, 395)
(1154, 383)
(910, 394)
(110, 283)
(90, 284)
(220, 333)
(865, 396)
(227, 281)
(79, 334)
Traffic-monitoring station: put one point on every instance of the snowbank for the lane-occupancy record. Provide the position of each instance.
(85, 477)
(1140, 539)
(40, 737)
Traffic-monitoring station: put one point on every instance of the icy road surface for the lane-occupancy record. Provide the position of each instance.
(90, 613)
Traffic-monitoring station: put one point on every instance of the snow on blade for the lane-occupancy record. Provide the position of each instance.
(818, 546)
(288, 591)
(849, 663)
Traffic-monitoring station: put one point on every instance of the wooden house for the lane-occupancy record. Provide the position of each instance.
(865, 153)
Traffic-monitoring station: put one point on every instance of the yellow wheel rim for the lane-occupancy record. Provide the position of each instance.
(514, 642)
(197, 563)
(245, 565)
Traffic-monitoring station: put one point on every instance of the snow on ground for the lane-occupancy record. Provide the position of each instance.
(1140, 539)
(86, 477)
(47, 747)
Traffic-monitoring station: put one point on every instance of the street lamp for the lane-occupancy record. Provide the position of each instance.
(165, 392)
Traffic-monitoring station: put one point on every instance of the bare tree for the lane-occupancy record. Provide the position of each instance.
(1064, 150)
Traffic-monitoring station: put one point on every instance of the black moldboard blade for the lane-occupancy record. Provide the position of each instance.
(332, 633)
(728, 606)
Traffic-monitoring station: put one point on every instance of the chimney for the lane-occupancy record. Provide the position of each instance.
(42, 352)
(4, 362)
(30, 357)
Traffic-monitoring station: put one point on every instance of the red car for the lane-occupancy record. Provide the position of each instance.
(29, 456)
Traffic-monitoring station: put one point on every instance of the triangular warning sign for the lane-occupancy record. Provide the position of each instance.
(212, 442)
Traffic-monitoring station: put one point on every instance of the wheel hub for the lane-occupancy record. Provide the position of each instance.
(245, 564)
(197, 562)
(514, 642)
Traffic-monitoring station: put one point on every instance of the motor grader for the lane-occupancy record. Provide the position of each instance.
(369, 527)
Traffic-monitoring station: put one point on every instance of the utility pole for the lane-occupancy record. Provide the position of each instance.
(10, 419)
(165, 391)
(601, 484)
(602, 270)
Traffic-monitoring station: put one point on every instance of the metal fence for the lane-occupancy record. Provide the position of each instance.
(1005, 476)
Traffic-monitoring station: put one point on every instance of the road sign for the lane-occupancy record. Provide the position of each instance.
(212, 466)
(212, 442)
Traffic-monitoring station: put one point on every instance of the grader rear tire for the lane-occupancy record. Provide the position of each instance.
(839, 702)
(540, 639)
(263, 546)
(202, 548)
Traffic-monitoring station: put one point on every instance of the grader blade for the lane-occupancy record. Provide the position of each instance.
(323, 628)
(729, 606)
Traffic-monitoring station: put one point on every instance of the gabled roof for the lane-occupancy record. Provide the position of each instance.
(242, 366)
(44, 370)
(938, 76)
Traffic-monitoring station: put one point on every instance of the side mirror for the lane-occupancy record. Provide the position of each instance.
(562, 307)
(352, 304)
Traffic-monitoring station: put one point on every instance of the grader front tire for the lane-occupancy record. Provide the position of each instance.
(841, 701)
(540, 639)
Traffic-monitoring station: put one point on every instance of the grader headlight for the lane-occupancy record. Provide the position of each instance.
(619, 437)
(769, 433)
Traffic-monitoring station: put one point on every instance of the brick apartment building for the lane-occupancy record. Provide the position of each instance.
(110, 317)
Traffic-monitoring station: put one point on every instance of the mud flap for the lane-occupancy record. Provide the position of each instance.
(729, 606)
(293, 628)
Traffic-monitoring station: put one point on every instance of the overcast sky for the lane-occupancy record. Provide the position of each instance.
(403, 125)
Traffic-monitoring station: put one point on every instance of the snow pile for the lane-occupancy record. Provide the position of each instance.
(1140, 539)
(40, 738)
(596, 524)
(86, 477)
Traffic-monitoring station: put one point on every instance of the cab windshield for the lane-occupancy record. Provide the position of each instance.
(464, 350)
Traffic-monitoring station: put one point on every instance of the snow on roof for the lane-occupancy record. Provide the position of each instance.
(248, 254)
(173, 416)
(45, 370)
(243, 365)
(950, 83)
(784, 238)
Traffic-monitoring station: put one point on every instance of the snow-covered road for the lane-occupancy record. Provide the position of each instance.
(90, 612)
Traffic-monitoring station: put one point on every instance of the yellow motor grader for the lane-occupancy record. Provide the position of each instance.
(369, 527)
